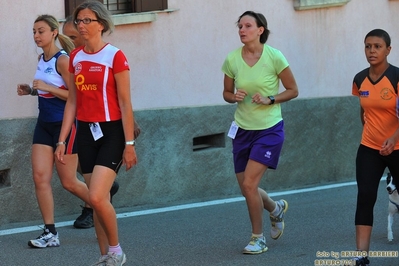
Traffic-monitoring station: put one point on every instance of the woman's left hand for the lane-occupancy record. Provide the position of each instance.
(259, 99)
(39, 85)
(129, 157)
(388, 147)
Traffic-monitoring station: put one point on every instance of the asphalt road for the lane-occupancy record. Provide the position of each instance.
(319, 226)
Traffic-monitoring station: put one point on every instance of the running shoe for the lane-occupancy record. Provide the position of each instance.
(115, 259)
(278, 221)
(47, 239)
(102, 261)
(362, 261)
(85, 219)
(257, 245)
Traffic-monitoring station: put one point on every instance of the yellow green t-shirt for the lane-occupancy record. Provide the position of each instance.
(262, 78)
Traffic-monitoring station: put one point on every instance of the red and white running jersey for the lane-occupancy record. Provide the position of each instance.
(96, 91)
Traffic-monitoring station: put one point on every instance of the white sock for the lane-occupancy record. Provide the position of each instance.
(115, 249)
(276, 210)
(257, 235)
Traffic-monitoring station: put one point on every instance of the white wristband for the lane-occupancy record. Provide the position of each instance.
(131, 142)
(60, 143)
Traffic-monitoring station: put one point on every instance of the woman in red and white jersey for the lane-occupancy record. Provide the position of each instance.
(100, 100)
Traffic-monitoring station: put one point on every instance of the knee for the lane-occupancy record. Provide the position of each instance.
(248, 188)
(69, 185)
(41, 181)
(96, 201)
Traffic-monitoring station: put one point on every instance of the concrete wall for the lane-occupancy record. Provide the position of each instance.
(321, 140)
(176, 93)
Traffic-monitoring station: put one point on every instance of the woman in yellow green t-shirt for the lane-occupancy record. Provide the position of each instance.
(252, 76)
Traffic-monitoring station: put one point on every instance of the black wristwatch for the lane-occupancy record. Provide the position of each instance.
(271, 99)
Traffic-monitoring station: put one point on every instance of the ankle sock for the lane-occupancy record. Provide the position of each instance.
(51, 228)
(257, 235)
(115, 249)
(277, 210)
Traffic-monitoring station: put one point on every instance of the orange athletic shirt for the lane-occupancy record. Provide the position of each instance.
(379, 101)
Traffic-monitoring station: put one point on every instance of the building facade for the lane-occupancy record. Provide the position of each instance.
(175, 55)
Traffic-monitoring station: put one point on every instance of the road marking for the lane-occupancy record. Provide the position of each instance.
(184, 206)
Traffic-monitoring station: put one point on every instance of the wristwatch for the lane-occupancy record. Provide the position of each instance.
(271, 99)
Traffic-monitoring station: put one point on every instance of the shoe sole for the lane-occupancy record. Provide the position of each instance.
(33, 246)
(282, 230)
(247, 252)
(83, 227)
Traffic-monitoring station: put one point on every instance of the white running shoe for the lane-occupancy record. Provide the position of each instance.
(257, 245)
(102, 261)
(47, 239)
(115, 259)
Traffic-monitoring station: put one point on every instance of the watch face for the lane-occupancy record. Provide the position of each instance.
(271, 99)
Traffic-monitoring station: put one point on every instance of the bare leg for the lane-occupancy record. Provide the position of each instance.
(42, 167)
(87, 181)
(255, 198)
(69, 180)
(363, 235)
(268, 203)
(105, 217)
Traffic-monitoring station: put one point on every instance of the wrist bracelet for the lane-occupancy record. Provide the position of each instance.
(60, 143)
(131, 142)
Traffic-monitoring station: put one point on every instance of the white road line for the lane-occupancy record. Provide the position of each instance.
(182, 207)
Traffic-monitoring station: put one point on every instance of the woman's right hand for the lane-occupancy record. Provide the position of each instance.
(59, 153)
(240, 95)
(23, 89)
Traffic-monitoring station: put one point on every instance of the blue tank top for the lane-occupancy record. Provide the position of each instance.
(51, 108)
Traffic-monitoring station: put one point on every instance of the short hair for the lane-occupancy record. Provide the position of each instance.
(381, 34)
(102, 14)
(64, 40)
(260, 22)
(68, 20)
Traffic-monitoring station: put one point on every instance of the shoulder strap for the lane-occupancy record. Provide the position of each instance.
(60, 52)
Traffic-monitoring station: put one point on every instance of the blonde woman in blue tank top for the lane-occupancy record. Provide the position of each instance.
(51, 85)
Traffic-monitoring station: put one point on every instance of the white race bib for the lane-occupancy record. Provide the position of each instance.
(233, 130)
(96, 130)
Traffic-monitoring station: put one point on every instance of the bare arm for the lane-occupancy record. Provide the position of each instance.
(290, 92)
(289, 83)
(123, 88)
(389, 144)
(228, 91)
(69, 116)
(62, 67)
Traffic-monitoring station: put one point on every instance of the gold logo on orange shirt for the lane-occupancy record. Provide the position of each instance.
(386, 94)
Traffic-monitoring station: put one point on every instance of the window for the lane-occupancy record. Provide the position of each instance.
(310, 4)
(121, 6)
